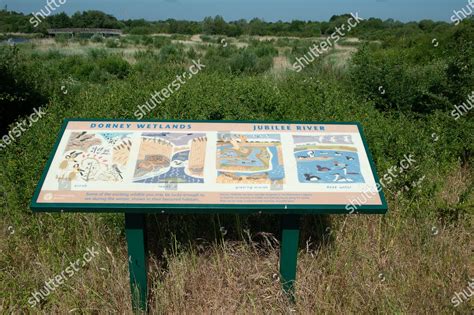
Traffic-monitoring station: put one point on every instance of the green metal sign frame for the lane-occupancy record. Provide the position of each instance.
(135, 214)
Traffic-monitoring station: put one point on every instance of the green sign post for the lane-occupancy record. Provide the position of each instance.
(193, 167)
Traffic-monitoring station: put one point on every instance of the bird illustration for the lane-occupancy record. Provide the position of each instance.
(73, 174)
(73, 155)
(311, 153)
(311, 178)
(322, 169)
(348, 173)
(68, 159)
(349, 158)
(337, 154)
(116, 169)
(339, 178)
(338, 164)
(81, 134)
(64, 164)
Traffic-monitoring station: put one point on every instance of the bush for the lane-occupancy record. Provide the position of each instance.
(115, 65)
(416, 77)
(18, 94)
(160, 41)
(206, 38)
(171, 54)
(62, 38)
(97, 38)
(264, 49)
(192, 54)
(112, 43)
(97, 53)
(243, 62)
(146, 40)
(140, 30)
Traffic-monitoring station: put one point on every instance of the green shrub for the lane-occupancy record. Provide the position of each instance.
(192, 54)
(171, 54)
(97, 38)
(97, 53)
(146, 40)
(83, 42)
(243, 62)
(206, 38)
(160, 41)
(140, 30)
(62, 38)
(179, 37)
(18, 94)
(144, 54)
(112, 43)
(115, 66)
(395, 80)
(264, 50)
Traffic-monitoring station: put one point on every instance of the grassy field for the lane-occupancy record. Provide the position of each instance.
(413, 260)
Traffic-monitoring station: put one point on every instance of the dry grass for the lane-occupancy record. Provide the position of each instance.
(368, 264)
(371, 267)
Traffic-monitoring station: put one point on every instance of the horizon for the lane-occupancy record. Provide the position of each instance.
(282, 10)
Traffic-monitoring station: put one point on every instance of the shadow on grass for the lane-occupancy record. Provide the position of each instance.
(175, 233)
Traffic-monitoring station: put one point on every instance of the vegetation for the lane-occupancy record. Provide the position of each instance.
(371, 28)
(400, 86)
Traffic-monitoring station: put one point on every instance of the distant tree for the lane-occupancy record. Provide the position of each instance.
(95, 19)
(214, 26)
(426, 25)
(219, 25)
(296, 26)
(257, 27)
(208, 25)
(61, 20)
(233, 30)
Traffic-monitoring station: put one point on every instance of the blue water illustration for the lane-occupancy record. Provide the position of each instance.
(276, 172)
(175, 173)
(328, 166)
(230, 157)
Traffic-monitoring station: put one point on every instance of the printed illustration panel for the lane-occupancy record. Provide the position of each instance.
(249, 159)
(171, 158)
(327, 159)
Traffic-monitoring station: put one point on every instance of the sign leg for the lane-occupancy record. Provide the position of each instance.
(290, 230)
(135, 229)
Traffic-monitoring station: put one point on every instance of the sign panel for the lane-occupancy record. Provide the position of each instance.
(100, 165)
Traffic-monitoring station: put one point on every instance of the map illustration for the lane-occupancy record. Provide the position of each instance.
(92, 157)
(249, 159)
(171, 158)
(327, 159)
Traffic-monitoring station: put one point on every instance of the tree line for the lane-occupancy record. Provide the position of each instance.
(371, 28)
